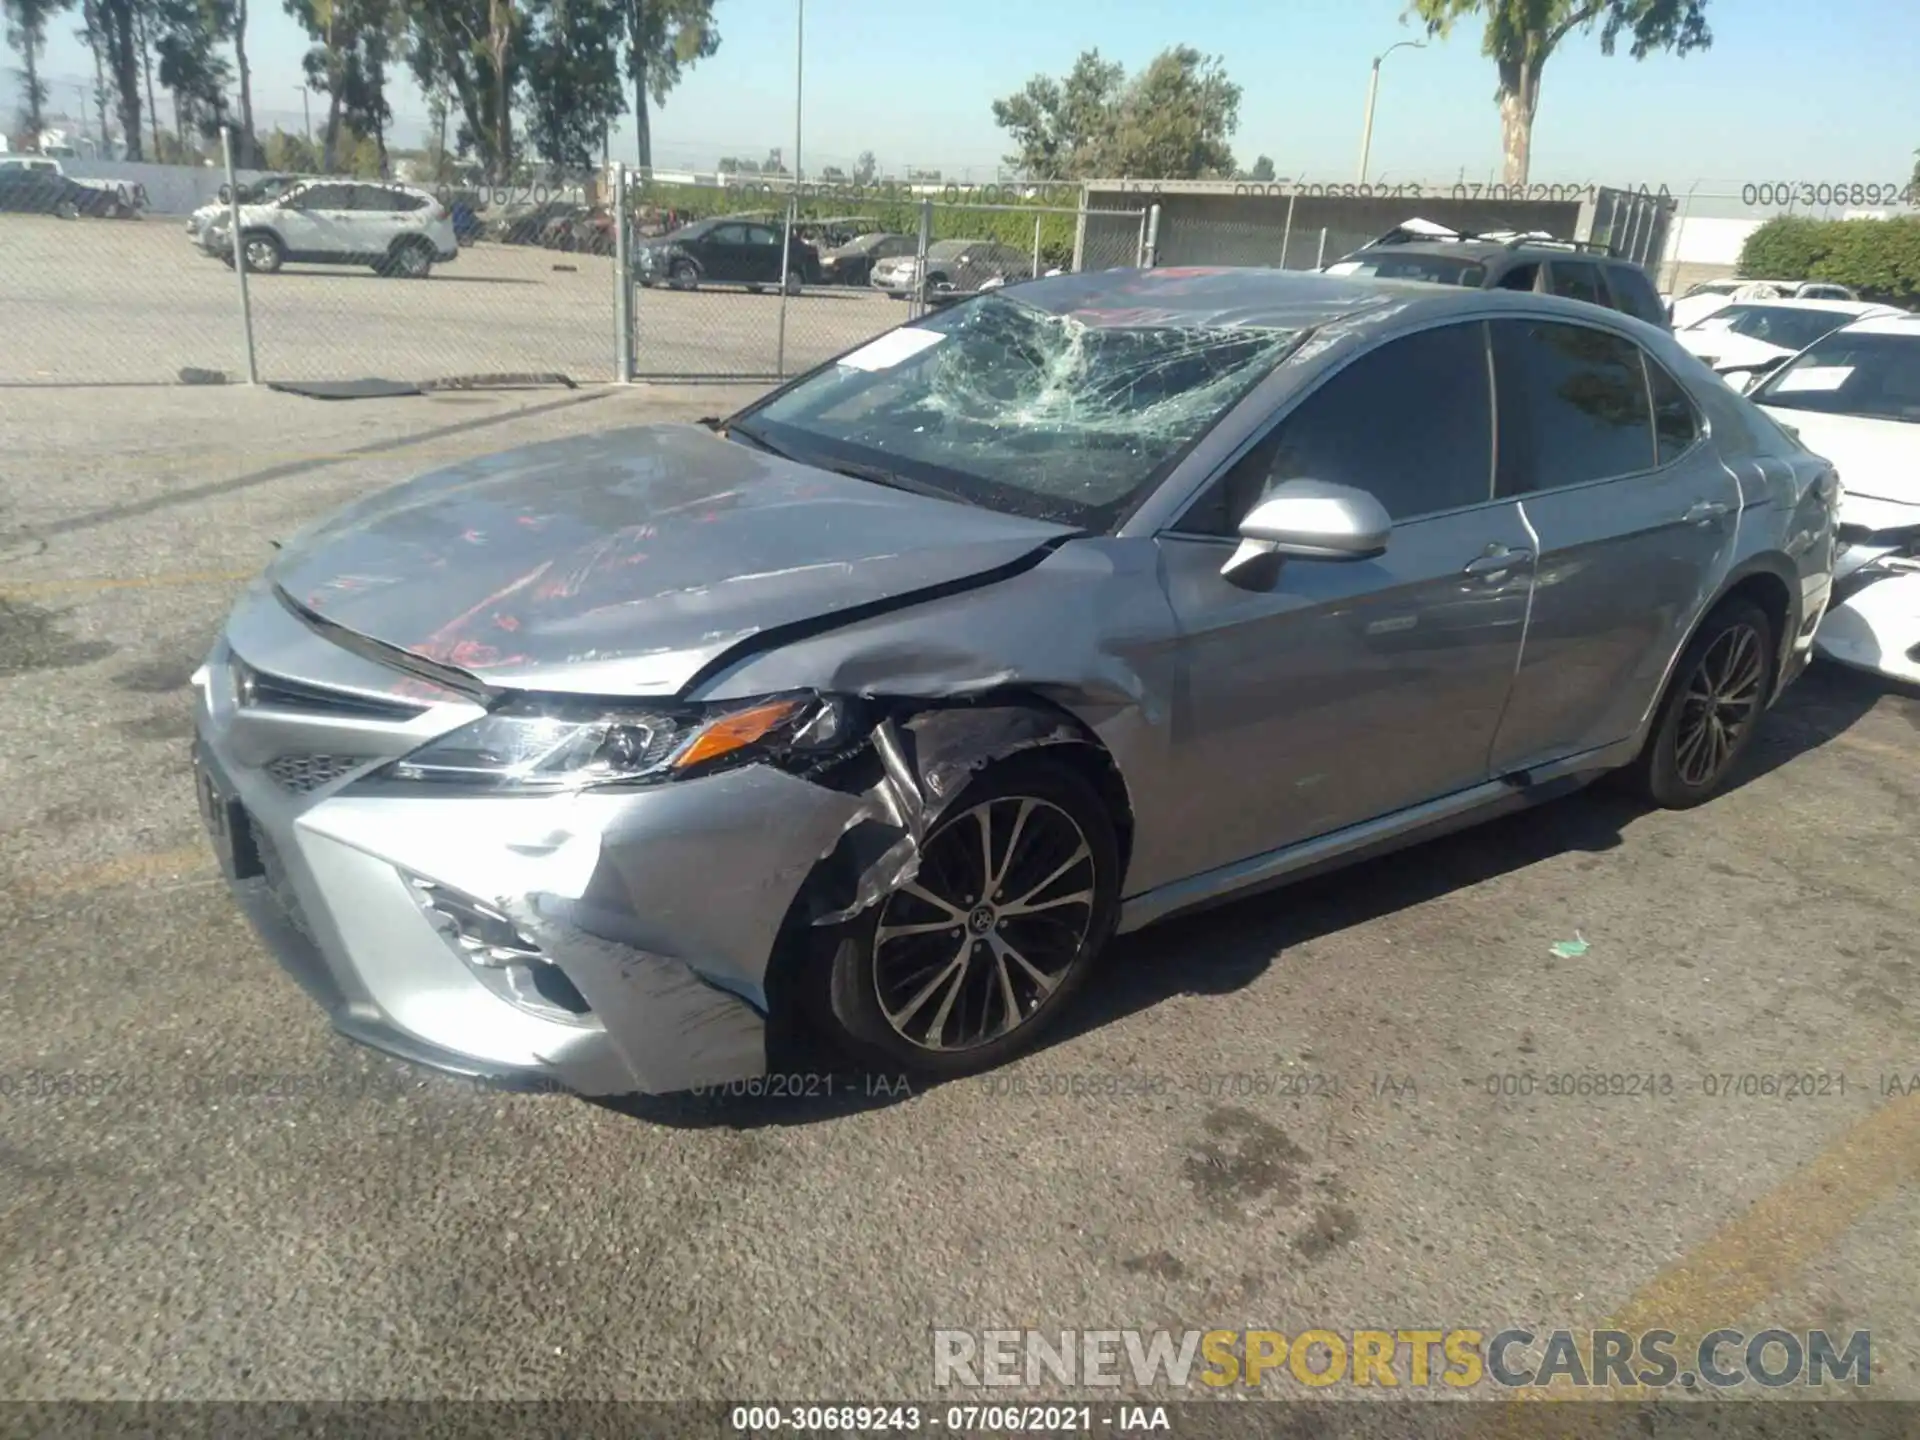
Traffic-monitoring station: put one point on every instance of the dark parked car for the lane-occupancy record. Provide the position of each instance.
(739, 252)
(1574, 270)
(955, 269)
(853, 262)
(41, 192)
(646, 759)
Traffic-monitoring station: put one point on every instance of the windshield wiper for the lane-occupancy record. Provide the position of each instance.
(879, 475)
(852, 469)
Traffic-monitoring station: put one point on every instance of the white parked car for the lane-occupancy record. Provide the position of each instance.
(1703, 299)
(396, 229)
(261, 191)
(1854, 398)
(1749, 337)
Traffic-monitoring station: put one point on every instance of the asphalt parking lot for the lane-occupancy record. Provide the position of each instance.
(98, 301)
(222, 1200)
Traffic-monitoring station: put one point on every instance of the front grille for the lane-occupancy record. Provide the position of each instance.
(277, 692)
(279, 886)
(303, 774)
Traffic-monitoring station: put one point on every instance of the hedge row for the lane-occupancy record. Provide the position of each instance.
(1880, 259)
(950, 222)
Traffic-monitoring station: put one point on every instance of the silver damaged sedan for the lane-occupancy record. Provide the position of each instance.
(858, 722)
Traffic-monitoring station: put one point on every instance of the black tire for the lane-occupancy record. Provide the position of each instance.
(683, 274)
(408, 260)
(794, 281)
(1711, 710)
(265, 254)
(67, 210)
(1061, 817)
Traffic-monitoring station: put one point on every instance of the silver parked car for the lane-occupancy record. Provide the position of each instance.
(639, 761)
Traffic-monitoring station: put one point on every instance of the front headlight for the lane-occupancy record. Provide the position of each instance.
(544, 745)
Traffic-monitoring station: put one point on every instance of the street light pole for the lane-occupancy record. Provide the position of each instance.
(1373, 94)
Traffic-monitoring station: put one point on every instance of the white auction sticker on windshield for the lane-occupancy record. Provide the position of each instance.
(891, 348)
(1814, 377)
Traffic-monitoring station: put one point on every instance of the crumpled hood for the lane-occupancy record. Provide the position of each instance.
(626, 562)
(1878, 460)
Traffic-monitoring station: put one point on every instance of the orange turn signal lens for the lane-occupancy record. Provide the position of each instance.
(736, 731)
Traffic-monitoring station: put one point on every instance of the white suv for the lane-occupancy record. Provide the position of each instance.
(393, 228)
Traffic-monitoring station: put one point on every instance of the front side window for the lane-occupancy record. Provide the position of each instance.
(1411, 423)
(1002, 404)
(727, 235)
(1573, 405)
(1872, 374)
(322, 197)
(1521, 277)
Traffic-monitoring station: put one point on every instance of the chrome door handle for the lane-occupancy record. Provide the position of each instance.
(1498, 561)
(1705, 512)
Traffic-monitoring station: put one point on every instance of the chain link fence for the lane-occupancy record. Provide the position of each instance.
(118, 273)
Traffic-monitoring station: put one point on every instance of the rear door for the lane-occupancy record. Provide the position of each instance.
(1633, 518)
(1339, 691)
(723, 253)
(760, 264)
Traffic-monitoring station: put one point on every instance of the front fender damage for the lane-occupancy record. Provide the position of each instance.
(925, 763)
(667, 926)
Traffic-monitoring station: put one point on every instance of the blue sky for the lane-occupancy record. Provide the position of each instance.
(1787, 92)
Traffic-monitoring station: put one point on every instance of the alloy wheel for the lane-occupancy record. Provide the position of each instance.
(261, 255)
(1721, 699)
(995, 920)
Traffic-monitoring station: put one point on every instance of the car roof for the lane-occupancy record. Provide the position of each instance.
(1897, 324)
(1831, 307)
(1203, 296)
(1482, 249)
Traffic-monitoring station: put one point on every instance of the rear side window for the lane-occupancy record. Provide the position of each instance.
(1579, 280)
(1411, 423)
(1521, 277)
(324, 197)
(1633, 292)
(1676, 424)
(1573, 406)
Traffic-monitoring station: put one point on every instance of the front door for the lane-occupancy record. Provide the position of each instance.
(1341, 691)
(1634, 519)
(316, 222)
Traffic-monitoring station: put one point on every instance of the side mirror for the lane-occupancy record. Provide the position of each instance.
(226, 195)
(1311, 520)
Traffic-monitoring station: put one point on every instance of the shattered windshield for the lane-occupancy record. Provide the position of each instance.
(1001, 404)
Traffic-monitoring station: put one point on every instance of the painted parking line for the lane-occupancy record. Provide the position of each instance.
(93, 583)
(1757, 1254)
(184, 862)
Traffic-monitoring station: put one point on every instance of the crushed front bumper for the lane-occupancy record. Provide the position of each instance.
(643, 922)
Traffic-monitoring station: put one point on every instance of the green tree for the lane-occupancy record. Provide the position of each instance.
(1171, 121)
(665, 38)
(292, 153)
(867, 169)
(1059, 125)
(26, 29)
(186, 36)
(1262, 171)
(1520, 35)
(472, 49)
(573, 79)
